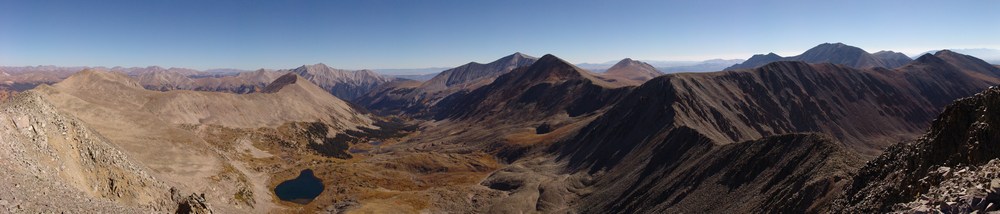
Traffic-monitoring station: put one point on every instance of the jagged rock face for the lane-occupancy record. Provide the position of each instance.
(836, 53)
(344, 84)
(962, 136)
(959, 190)
(68, 161)
(548, 87)
(192, 204)
(416, 99)
(632, 71)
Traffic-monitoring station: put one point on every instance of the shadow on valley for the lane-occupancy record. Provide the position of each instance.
(338, 145)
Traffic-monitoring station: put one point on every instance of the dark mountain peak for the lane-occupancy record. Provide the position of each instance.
(769, 56)
(756, 60)
(549, 59)
(929, 58)
(956, 57)
(887, 52)
(966, 62)
(948, 54)
(519, 55)
(892, 55)
(514, 58)
(891, 59)
(626, 61)
(784, 64)
(552, 67)
(835, 44)
(826, 51)
(636, 71)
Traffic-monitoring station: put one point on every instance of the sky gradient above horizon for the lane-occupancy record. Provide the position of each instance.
(420, 34)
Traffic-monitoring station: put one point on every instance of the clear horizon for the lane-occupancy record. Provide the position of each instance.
(439, 34)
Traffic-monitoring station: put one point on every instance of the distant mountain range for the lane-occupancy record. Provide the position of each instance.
(840, 134)
(987, 54)
(416, 97)
(345, 84)
(836, 53)
(412, 97)
(671, 66)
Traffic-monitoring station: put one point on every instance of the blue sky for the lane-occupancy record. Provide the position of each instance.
(415, 34)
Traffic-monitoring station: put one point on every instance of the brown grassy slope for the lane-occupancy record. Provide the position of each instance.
(299, 101)
(154, 127)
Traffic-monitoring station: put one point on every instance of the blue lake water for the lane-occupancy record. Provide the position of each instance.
(302, 189)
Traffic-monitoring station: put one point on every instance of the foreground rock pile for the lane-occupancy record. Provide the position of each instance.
(960, 190)
(939, 170)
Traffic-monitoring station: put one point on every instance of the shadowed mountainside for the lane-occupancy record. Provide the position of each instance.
(548, 87)
(667, 126)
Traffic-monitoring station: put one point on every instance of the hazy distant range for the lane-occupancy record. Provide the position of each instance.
(987, 54)
(672, 66)
(423, 74)
(411, 73)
